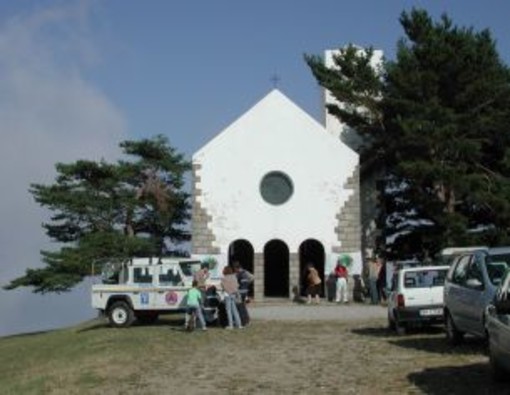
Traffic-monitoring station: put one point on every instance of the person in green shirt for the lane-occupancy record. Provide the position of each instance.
(194, 304)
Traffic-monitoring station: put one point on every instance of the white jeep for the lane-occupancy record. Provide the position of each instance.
(144, 288)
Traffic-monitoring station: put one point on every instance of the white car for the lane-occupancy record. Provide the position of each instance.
(146, 287)
(416, 297)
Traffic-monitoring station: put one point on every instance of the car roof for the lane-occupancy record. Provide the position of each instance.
(499, 250)
(461, 250)
(425, 268)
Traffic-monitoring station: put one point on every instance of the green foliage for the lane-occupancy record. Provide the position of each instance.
(102, 212)
(436, 121)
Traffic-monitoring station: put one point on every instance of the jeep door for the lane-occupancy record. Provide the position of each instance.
(170, 292)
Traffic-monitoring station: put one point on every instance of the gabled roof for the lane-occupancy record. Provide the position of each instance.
(274, 108)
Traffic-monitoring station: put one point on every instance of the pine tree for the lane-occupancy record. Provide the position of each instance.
(103, 212)
(437, 122)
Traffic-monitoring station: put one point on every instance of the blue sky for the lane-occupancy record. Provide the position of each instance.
(77, 77)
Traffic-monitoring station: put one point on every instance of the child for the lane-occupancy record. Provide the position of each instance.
(194, 304)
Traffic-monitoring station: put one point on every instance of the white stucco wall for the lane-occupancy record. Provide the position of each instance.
(275, 135)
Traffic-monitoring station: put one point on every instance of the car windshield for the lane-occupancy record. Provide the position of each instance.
(425, 278)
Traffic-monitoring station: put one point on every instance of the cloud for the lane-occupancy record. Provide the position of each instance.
(49, 112)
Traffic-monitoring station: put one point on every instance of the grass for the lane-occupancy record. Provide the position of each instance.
(77, 359)
(267, 357)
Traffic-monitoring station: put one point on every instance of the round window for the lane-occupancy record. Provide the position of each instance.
(276, 188)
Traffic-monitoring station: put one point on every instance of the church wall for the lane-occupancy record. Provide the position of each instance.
(230, 172)
(275, 135)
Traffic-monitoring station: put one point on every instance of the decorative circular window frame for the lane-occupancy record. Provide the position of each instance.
(285, 181)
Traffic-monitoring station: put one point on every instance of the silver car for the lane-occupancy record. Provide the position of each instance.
(498, 328)
(470, 286)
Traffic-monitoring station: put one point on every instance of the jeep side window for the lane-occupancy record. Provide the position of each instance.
(460, 272)
(142, 275)
(170, 277)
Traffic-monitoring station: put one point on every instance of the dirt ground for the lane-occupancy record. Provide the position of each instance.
(298, 357)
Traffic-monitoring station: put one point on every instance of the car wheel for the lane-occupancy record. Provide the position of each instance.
(453, 335)
(391, 323)
(120, 314)
(400, 328)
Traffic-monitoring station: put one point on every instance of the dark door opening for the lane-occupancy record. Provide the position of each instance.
(276, 269)
(242, 251)
(311, 251)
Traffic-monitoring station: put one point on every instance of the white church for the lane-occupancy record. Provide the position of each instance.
(277, 190)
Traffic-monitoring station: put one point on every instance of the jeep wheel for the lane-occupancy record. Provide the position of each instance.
(453, 335)
(120, 314)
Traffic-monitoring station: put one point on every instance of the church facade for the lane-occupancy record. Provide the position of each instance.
(275, 191)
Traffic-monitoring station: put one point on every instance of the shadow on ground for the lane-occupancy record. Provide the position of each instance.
(467, 379)
(174, 321)
(439, 344)
(429, 339)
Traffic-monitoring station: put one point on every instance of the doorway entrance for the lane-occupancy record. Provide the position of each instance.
(276, 269)
(311, 251)
(242, 251)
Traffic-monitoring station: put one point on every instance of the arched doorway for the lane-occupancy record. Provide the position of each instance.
(276, 269)
(241, 250)
(311, 251)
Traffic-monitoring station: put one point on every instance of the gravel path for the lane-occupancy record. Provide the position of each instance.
(325, 311)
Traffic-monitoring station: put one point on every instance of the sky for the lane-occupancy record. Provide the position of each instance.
(78, 77)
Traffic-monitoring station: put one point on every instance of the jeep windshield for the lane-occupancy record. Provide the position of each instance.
(189, 268)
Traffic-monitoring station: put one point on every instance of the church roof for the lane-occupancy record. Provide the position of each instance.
(273, 114)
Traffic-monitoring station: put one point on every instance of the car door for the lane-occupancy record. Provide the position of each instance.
(454, 292)
(473, 296)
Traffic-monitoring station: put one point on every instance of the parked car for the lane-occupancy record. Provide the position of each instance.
(470, 286)
(416, 297)
(498, 328)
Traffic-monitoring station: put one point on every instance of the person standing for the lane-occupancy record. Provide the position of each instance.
(313, 282)
(230, 288)
(201, 276)
(341, 274)
(381, 281)
(245, 280)
(374, 267)
(194, 304)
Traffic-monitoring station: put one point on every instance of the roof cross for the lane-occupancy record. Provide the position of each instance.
(275, 79)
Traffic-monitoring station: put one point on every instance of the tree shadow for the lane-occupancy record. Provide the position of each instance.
(469, 379)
